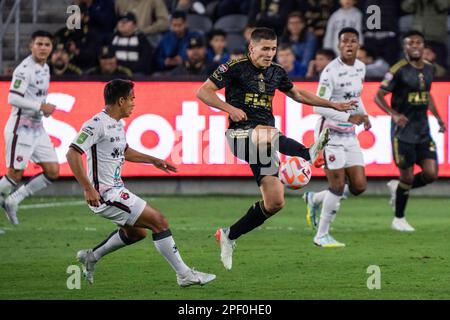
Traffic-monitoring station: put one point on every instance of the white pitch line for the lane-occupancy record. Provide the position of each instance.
(52, 204)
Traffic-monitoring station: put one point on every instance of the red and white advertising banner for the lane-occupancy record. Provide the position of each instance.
(169, 122)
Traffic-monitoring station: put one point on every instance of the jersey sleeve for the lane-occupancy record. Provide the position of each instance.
(326, 84)
(223, 75)
(285, 83)
(91, 132)
(390, 81)
(19, 84)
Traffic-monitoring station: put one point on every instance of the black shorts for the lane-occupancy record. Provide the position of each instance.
(261, 162)
(407, 154)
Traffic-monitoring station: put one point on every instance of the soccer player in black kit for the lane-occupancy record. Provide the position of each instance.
(410, 82)
(250, 85)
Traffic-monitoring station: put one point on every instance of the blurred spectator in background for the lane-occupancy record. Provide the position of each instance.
(286, 58)
(108, 65)
(131, 46)
(195, 63)
(383, 42)
(59, 63)
(189, 6)
(347, 16)
(227, 7)
(302, 41)
(376, 67)
(237, 54)
(270, 13)
(317, 13)
(172, 49)
(102, 16)
(151, 15)
(430, 18)
(316, 66)
(217, 50)
(430, 56)
(83, 44)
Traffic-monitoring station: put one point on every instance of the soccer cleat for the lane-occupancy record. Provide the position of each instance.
(87, 260)
(319, 145)
(11, 207)
(400, 224)
(327, 241)
(311, 209)
(226, 247)
(392, 186)
(320, 161)
(194, 277)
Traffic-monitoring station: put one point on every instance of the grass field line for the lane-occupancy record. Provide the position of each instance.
(51, 204)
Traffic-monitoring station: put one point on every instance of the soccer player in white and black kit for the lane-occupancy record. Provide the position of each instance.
(103, 139)
(25, 136)
(341, 81)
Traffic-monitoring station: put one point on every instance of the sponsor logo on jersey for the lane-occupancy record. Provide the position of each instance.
(223, 68)
(82, 137)
(322, 91)
(17, 83)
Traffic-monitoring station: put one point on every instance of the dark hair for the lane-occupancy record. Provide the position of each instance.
(216, 32)
(287, 34)
(41, 33)
(369, 52)
(263, 33)
(285, 46)
(327, 53)
(178, 15)
(348, 30)
(413, 33)
(115, 89)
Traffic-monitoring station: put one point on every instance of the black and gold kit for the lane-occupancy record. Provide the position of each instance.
(410, 89)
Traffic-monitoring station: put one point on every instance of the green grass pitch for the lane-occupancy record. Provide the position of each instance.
(277, 261)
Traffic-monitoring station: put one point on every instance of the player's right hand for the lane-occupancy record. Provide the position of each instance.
(237, 115)
(358, 119)
(47, 109)
(400, 120)
(92, 197)
(345, 106)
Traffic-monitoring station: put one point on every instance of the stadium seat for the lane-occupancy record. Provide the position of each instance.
(233, 23)
(235, 41)
(405, 23)
(448, 23)
(199, 23)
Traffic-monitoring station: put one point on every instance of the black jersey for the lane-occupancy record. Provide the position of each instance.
(410, 89)
(251, 89)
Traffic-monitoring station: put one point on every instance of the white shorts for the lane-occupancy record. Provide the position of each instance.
(121, 207)
(343, 151)
(28, 144)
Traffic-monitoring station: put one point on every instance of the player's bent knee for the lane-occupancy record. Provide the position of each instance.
(273, 207)
(430, 176)
(358, 189)
(15, 175)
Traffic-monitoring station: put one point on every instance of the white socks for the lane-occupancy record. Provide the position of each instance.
(6, 185)
(319, 196)
(329, 209)
(36, 184)
(110, 244)
(166, 246)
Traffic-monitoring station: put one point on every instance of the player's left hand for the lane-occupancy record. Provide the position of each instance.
(367, 124)
(164, 166)
(345, 106)
(442, 127)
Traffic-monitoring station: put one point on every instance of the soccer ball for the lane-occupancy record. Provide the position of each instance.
(295, 172)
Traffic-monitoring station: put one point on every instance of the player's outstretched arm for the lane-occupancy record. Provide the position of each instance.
(136, 156)
(76, 165)
(310, 98)
(433, 109)
(207, 94)
(380, 100)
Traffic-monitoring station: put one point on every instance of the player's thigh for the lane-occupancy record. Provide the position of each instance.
(430, 169)
(272, 191)
(404, 154)
(335, 157)
(263, 135)
(356, 176)
(51, 169)
(427, 160)
(19, 148)
(44, 154)
(336, 179)
(151, 218)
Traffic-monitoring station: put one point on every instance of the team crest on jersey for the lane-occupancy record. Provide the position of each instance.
(124, 195)
(223, 68)
(82, 138)
(331, 158)
(17, 83)
(19, 158)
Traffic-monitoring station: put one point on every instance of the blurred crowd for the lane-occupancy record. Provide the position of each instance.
(132, 38)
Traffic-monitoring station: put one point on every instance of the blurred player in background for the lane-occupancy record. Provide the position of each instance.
(103, 139)
(250, 85)
(341, 81)
(25, 136)
(409, 81)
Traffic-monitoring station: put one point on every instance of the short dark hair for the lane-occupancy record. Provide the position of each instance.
(348, 30)
(216, 32)
(413, 33)
(327, 53)
(115, 89)
(41, 33)
(178, 15)
(285, 46)
(369, 52)
(263, 33)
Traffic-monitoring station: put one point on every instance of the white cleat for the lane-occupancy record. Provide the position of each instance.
(226, 247)
(392, 186)
(400, 224)
(194, 277)
(87, 260)
(327, 241)
(319, 145)
(11, 207)
(312, 209)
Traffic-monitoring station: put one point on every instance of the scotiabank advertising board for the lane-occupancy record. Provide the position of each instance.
(169, 122)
